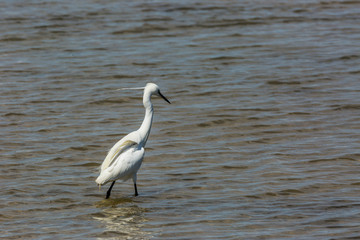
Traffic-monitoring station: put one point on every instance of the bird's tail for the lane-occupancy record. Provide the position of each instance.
(101, 180)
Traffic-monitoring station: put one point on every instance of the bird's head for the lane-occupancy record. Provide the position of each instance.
(152, 88)
(149, 90)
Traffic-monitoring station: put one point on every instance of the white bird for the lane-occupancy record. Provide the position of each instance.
(125, 157)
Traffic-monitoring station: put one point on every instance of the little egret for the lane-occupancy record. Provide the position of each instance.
(125, 157)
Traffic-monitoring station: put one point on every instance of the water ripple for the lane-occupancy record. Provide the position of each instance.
(260, 142)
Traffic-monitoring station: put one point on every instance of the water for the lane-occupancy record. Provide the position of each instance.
(261, 140)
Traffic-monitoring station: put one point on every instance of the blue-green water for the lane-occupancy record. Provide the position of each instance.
(261, 140)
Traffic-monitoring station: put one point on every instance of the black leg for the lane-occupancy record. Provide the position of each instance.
(109, 191)
(136, 192)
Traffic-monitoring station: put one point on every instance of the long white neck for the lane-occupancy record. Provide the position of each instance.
(145, 127)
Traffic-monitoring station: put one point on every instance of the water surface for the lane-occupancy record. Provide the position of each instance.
(261, 140)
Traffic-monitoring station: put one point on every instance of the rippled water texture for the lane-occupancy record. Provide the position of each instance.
(261, 140)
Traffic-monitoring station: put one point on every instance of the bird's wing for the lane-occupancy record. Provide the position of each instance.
(115, 152)
(124, 166)
(127, 163)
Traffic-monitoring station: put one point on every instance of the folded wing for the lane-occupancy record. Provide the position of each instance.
(122, 161)
(115, 151)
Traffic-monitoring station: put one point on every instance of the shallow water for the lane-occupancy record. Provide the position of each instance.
(261, 140)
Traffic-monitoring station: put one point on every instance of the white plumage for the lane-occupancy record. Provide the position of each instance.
(125, 157)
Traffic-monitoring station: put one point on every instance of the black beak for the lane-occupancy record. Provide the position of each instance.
(164, 97)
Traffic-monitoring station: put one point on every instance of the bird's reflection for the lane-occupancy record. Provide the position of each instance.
(121, 217)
